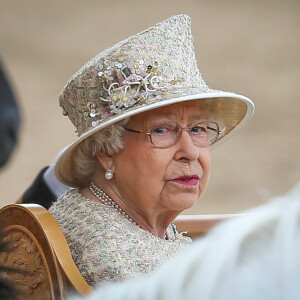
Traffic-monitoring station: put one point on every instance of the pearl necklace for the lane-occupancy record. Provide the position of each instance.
(105, 199)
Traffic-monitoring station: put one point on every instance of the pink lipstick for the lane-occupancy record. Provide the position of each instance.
(188, 180)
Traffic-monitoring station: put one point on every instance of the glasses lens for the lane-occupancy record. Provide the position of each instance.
(204, 133)
(164, 134)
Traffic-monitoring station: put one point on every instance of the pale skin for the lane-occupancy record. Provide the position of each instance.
(144, 184)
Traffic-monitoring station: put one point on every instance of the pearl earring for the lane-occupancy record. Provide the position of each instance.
(109, 175)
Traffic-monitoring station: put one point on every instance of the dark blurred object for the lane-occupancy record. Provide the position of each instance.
(39, 192)
(46, 187)
(9, 118)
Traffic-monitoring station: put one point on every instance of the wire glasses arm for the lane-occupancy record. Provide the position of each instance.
(214, 129)
(136, 131)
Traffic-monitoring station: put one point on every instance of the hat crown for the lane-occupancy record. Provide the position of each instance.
(154, 65)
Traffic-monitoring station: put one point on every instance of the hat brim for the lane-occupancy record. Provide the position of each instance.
(230, 110)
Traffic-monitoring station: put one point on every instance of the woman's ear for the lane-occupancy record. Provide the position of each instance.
(105, 161)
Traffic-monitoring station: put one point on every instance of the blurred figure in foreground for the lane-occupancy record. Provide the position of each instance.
(9, 119)
(252, 257)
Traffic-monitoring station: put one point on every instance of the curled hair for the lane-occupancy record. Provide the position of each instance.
(108, 140)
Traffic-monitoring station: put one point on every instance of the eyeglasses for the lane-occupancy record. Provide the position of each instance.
(167, 134)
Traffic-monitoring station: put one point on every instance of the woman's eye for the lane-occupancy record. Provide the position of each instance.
(198, 129)
(161, 130)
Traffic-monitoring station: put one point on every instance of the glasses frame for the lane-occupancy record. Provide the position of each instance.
(188, 129)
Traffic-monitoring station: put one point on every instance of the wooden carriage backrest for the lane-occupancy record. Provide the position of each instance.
(38, 246)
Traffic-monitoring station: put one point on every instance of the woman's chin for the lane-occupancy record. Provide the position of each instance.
(182, 200)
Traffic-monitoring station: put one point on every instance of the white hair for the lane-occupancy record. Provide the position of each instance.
(256, 256)
(108, 140)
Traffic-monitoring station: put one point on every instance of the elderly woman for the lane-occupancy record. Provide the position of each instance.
(146, 121)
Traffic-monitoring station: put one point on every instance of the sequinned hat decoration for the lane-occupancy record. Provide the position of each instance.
(154, 68)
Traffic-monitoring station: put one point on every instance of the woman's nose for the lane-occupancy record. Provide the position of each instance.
(186, 148)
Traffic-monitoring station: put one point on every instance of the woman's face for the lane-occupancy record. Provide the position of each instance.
(150, 179)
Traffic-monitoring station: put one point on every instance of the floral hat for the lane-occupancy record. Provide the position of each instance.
(151, 69)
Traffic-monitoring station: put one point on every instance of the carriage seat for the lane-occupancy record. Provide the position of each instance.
(38, 247)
